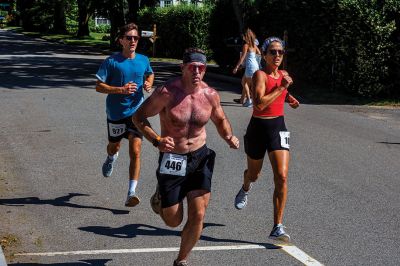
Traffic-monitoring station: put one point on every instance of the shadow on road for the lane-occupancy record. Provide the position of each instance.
(134, 230)
(98, 262)
(58, 202)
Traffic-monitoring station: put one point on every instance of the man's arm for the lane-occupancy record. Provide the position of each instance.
(152, 106)
(148, 83)
(128, 88)
(221, 121)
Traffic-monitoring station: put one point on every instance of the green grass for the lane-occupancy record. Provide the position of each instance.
(95, 39)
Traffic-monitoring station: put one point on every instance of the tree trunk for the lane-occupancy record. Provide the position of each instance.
(238, 14)
(133, 8)
(83, 18)
(117, 20)
(60, 21)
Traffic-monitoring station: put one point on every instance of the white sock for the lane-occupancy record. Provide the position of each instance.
(113, 157)
(132, 186)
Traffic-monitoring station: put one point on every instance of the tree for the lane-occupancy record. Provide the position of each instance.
(86, 10)
(60, 25)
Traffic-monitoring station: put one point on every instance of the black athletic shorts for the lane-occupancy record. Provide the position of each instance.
(199, 169)
(265, 135)
(121, 129)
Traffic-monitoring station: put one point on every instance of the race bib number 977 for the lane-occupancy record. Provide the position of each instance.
(116, 130)
(173, 164)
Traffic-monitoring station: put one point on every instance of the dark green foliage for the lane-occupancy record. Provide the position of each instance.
(178, 27)
(347, 45)
(100, 28)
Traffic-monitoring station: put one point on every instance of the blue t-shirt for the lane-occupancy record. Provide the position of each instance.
(117, 70)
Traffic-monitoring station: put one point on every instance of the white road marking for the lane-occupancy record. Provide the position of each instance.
(300, 255)
(290, 249)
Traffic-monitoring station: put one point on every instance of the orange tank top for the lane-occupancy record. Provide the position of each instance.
(276, 108)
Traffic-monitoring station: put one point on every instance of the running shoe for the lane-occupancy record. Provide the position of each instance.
(132, 200)
(278, 233)
(108, 166)
(155, 201)
(248, 103)
(181, 263)
(241, 199)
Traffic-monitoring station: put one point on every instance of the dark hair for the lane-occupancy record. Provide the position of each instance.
(249, 37)
(192, 50)
(194, 55)
(124, 29)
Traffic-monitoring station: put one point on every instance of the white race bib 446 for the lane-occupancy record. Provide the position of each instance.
(173, 164)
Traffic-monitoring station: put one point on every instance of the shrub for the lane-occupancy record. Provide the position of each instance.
(178, 27)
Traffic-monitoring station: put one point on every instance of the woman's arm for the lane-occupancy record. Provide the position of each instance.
(242, 57)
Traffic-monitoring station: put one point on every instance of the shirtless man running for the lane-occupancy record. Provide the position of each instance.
(185, 104)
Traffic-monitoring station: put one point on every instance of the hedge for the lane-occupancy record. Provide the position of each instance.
(178, 27)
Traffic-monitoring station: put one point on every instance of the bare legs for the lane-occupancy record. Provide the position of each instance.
(197, 201)
(280, 165)
(246, 86)
(135, 147)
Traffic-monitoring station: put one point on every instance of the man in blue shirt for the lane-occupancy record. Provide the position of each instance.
(123, 76)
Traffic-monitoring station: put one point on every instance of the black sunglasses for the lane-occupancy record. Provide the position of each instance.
(130, 38)
(276, 52)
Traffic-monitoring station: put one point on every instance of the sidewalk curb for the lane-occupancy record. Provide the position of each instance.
(2, 258)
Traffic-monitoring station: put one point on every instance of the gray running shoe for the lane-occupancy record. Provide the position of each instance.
(278, 233)
(181, 263)
(108, 166)
(155, 201)
(241, 199)
(132, 200)
(248, 103)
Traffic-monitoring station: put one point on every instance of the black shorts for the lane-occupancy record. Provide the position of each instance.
(265, 135)
(121, 129)
(199, 169)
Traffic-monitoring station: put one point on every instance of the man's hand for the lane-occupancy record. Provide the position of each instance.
(233, 142)
(129, 88)
(167, 144)
(147, 86)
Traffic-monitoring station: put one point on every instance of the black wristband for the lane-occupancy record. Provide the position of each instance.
(156, 141)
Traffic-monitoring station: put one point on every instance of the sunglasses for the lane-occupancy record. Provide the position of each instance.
(276, 52)
(130, 38)
(193, 68)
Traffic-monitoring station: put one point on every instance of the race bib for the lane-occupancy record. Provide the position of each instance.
(285, 136)
(173, 164)
(116, 130)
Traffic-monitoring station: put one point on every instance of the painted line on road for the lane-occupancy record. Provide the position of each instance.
(290, 249)
(300, 255)
(3, 261)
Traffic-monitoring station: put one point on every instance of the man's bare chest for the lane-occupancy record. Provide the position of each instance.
(191, 111)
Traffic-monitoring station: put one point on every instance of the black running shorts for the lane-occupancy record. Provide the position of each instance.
(121, 129)
(265, 135)
(174, 183)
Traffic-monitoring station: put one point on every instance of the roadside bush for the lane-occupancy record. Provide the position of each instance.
(346, 45)
(178, 27)
(103, 28)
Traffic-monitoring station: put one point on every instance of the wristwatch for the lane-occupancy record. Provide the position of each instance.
(156, 141)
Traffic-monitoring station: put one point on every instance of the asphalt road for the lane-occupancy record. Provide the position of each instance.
(344, 180)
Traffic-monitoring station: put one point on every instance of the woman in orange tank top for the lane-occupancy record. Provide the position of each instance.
(267, 132)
